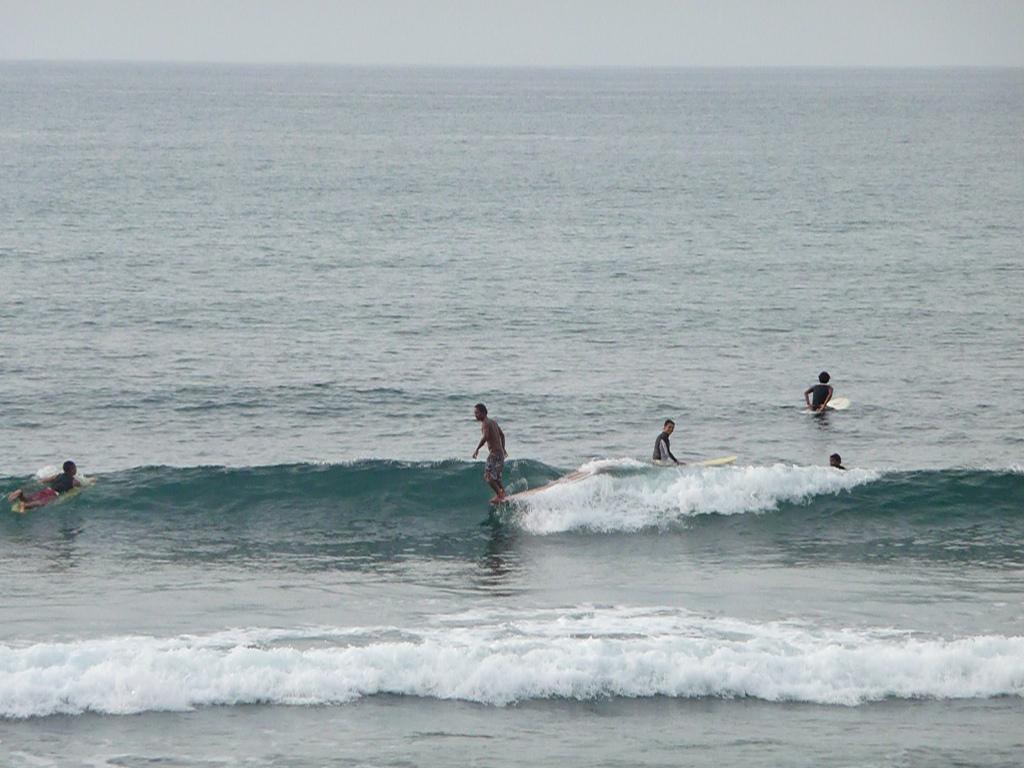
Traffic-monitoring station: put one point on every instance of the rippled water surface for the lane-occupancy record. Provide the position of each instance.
(257, 305)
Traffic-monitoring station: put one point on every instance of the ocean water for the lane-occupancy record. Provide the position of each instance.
(258, 305)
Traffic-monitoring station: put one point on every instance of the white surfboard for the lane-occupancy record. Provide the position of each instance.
(572, 477)
(835, 404)
(582, 474)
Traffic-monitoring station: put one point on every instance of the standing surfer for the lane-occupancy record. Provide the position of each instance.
(495, 439)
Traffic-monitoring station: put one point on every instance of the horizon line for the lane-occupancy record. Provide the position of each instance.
(528, 66)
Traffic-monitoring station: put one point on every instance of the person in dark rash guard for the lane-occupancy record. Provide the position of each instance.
(818, 396)
(56, 486)
(662, 449)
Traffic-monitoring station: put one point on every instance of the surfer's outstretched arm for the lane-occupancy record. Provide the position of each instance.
(672, 456)
(479, 445)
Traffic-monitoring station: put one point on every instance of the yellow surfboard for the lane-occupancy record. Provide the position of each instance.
(18, 507)
(716, 462)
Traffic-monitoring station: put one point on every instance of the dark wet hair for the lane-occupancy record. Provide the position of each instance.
(482, 407)
(669, 421)
(823, 377)
(836, 458)
(68, 465)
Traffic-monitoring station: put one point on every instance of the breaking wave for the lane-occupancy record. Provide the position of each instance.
(501, 659)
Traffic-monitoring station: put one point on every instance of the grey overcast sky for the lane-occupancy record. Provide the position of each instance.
(521, 32)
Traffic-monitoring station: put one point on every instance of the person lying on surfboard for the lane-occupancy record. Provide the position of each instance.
(662, 451)
(495, 439)
(55, 486)
(817, 396)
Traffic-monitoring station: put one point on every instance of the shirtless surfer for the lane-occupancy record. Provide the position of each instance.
(55, 486)
(495, 439)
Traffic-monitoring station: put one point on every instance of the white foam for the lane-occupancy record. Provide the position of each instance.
(48, 472)
(502, 658)
(658, 496)
(605, 465)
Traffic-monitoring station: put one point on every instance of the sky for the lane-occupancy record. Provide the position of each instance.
(521, 32)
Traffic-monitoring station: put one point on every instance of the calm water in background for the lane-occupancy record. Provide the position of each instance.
(309, 276)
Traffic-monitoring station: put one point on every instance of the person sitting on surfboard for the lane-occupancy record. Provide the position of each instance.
(495, 439)
(56, 485)
(662, 451)
(836, 461)
(819, 394)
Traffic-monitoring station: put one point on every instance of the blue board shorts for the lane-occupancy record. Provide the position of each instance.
(494, 467)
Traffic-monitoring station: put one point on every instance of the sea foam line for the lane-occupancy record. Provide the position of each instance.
(607, 501)
(498, 660)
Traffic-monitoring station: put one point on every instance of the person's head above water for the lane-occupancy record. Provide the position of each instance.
(480, 411)
(669, 425)
(835, 460)
(69, 467)
(823, 377)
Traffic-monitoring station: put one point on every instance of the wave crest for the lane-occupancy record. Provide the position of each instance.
(611, 501)
(500, 659)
